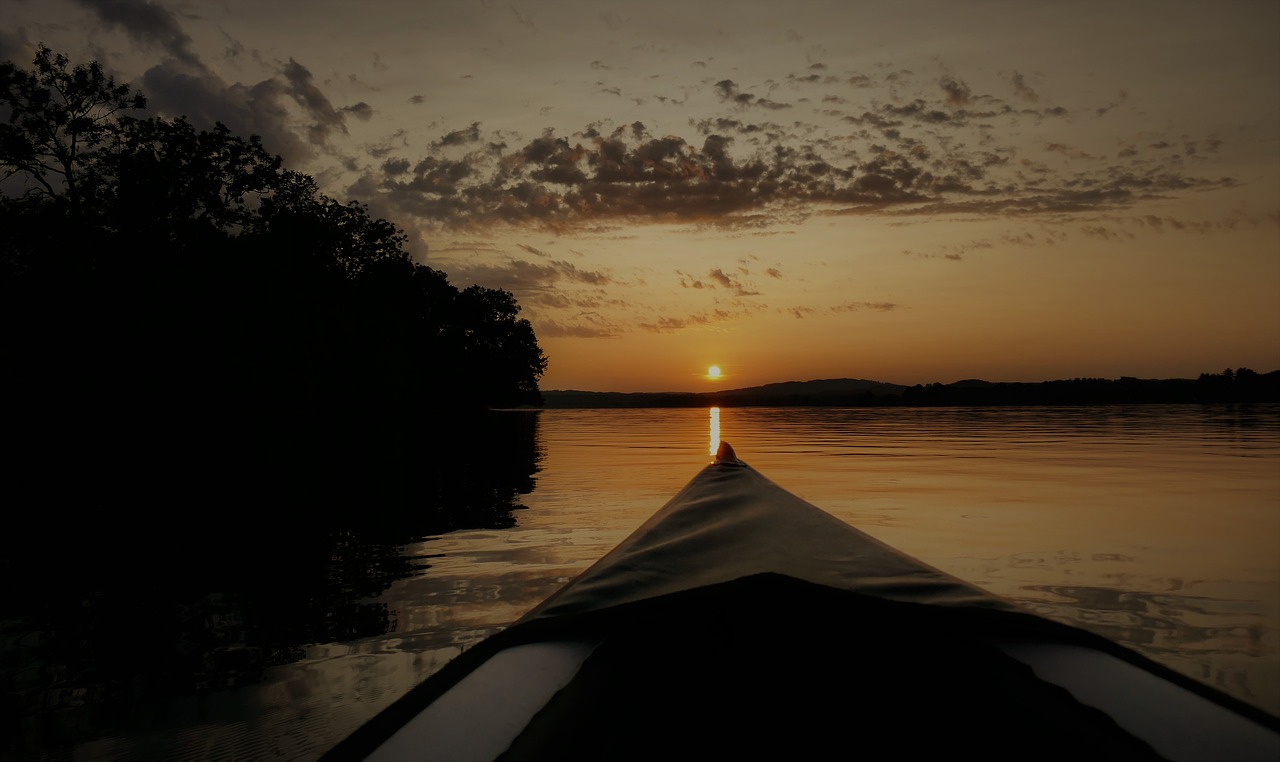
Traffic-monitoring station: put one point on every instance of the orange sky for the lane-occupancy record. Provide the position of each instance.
(902, 191)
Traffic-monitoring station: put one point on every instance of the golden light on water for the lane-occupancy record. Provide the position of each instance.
(715, 431)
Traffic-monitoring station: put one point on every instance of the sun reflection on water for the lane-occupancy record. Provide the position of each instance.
(715, 431)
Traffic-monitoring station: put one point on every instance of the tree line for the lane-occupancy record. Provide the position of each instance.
(186, 322)
(1240, 385)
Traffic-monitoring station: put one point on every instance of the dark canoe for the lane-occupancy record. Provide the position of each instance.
(741, 622)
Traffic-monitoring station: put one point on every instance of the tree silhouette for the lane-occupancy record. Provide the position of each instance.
(58, 119)
(182, 313)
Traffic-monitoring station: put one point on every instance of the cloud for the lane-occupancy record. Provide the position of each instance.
(362, 111)
(718, 276)
(1121, 97)
(728, 91)
(204, 98)
(16, 47)
(858, 306)
(690, 281)
(1105, 233)
(469, 247)
(583, 330)
(461, 137)
(726, 124)
(1067, 150)
(909, 154)
(953, 252)
(524, 20)
(668, 324)
(182, 84)
(627, 175)
(1022, 89)
(800, 312)
(395, 166)
(531, 282)
(146, 23)
(301, 87)
(532, 250)
(958, 93)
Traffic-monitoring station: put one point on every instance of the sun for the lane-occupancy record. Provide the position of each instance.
(713, 371)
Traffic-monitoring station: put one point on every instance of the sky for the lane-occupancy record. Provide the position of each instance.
(914, 191)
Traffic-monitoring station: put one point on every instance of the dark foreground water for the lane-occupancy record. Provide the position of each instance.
(1157, 526)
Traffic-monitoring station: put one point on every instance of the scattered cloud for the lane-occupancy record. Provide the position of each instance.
(301, 87)
(183, 84)
(529, 281)
(690, 281)
(532, 250)
(957, 92)
(148, 24)
(669, 324)
(898, 156)
(800, 312)
(362, 111)
(728, 91)
(1121, 97)
(16, 47)
(585, 327)
(1022, 89)
(1105, 233)
(903, 154)
(724, 280)
(858, 306)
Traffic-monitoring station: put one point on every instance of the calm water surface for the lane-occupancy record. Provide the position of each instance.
(1156, 526)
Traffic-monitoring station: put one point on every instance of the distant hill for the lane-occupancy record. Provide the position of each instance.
(833, 391)
(1242, 385)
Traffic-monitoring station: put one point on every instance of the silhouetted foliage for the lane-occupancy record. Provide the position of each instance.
(57, 120)
(188, 326)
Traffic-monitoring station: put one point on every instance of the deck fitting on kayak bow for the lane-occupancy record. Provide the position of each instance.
(725, 454)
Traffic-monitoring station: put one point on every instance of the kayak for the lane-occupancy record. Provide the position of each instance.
(742, 622)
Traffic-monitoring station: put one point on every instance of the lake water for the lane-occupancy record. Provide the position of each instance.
(1155, 526)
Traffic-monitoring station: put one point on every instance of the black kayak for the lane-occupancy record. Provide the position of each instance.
(742, 622)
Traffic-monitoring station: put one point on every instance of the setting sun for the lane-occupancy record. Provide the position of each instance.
(713, 371)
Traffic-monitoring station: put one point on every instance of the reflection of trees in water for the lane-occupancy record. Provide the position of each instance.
(108, 632)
